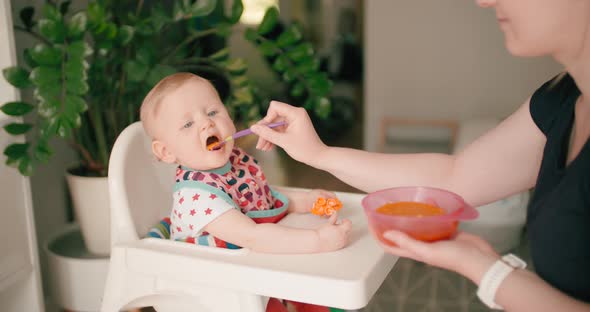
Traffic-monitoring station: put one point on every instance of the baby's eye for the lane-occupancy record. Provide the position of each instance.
(188, 124)
(212, 113)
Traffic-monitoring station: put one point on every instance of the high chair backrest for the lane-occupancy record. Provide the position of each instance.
(140, 187)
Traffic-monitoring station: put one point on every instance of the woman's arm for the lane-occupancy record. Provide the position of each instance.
(238, 229)
(502, 162)
(524, 291)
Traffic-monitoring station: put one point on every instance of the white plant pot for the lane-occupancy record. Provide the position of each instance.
(90, 197)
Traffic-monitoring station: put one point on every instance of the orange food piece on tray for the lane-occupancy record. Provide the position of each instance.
(326, 206)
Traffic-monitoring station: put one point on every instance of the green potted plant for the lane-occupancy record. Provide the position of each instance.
(89, 71)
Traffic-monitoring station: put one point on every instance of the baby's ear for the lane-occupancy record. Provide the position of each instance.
(162, 153)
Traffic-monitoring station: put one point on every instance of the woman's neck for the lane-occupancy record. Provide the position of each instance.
(577, 62)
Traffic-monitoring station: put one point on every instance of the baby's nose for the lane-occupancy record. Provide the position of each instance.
(207, 124)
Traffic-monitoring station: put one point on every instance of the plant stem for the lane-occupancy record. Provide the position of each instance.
(91, 164)
(103, 153)
(188, 40)
(32, 33)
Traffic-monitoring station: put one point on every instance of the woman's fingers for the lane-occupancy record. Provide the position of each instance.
(398, 251)
(405, 242)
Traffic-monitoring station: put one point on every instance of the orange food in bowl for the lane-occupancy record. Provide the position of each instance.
(411, 209)
(427, 232)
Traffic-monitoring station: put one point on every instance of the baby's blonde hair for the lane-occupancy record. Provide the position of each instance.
(153, 100)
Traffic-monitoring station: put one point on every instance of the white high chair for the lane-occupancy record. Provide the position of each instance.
(175, 275)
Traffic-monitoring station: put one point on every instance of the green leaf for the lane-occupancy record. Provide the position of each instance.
(289, 75)
(79, 50)
(76, 69)
(125, 34)
(224, 29)
(236, 66)
(16, 150)
(145, 55)
(269, 21)
(42, 152)
(12, 162)
(17, 76)
(300, 52)
(268, 48)
(51, 12)
(158, 72)
(64, 127)
(289, 37)
(49, 93)
(308, 65)
(96, 14)
(319, 83)
(322, 107)
(237, 9)
(203, 7)
(16, 108)
(17, 128)
(251, 35)
(159, 18)
(25, 167)
(54, 31)
(48, 108)
(107, 31)
(28, 58)
(220, 56)
(77, 25)
(76, 86)
(280, 64)
(26, 16)
(42, 76)
(75, 105)
(136, 71)
(298, 89)
(46, 55)
(64, 7)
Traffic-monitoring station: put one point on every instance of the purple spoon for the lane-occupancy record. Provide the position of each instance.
(239, 134)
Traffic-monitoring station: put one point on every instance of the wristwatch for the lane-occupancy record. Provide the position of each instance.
(494, 276)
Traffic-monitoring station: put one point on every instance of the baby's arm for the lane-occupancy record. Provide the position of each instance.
(236, 228)
(302, 201)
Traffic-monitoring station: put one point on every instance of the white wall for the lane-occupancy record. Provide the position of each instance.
(48, 182)
(20, 285)
(441, 59)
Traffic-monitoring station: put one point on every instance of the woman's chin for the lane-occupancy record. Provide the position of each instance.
(520, 50)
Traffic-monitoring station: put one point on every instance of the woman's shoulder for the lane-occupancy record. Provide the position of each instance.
(551, 99)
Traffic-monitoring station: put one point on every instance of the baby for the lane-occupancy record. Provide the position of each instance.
(221, 197)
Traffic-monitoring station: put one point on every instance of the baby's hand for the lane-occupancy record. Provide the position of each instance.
(334, 236)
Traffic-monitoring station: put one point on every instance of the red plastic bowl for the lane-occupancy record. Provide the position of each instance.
(425, 228)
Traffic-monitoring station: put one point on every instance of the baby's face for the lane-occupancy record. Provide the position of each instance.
(190, 118)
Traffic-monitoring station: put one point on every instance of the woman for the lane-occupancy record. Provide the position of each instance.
(542, 145)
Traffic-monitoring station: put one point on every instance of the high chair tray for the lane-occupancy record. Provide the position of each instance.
(345, 279)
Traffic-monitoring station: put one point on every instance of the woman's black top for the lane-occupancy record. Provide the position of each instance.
(558, 220)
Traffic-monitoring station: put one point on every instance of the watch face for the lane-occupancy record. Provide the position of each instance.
(514, 261)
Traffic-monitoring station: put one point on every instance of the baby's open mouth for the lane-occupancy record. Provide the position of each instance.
(212, 142)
